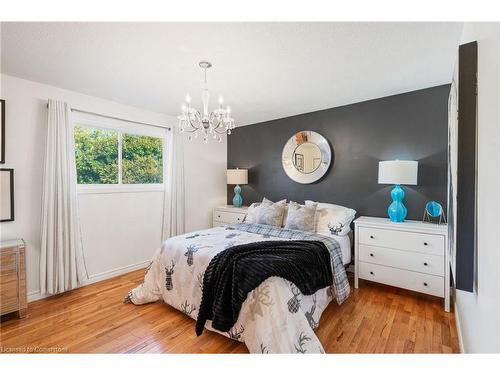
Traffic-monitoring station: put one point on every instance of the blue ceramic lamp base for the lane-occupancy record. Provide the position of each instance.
(237, 200)
(397, 210)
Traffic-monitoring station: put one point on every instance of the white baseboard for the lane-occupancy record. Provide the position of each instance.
(116, 272)
(36, 295)
(459, 330)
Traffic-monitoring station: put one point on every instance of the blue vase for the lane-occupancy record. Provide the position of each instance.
(237, 200)
(397, 210)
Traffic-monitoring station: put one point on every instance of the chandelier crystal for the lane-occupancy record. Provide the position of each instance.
(207, 124)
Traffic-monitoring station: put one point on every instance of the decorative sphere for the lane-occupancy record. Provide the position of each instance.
(433, 208)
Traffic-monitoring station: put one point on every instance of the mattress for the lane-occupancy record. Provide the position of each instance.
(345, 246)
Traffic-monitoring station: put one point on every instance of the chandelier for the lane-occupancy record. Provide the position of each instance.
(207, 124)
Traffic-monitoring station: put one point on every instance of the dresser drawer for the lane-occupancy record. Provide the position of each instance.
(8, 260)
(402, 240)
(416, 281)
(408, 260)
(228, 217)
(9, 292)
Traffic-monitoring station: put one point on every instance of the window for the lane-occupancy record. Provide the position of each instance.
(142, 161)
(96, 154)
(115, 157)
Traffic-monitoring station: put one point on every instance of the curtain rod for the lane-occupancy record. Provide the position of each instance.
(117, 118)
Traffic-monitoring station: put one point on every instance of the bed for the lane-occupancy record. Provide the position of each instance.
(276, 317)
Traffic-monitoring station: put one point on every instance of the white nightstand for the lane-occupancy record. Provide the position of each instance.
(224, 215)
(410, 255)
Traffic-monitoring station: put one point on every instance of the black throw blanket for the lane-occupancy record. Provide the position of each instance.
(236, 271)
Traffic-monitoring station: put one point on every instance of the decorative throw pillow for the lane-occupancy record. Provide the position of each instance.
(252, 211)
(270, 213)
(332, 218)
(285, 215)
(301, 217)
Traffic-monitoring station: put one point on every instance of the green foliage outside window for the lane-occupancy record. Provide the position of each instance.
(141, 160)
(96, 153)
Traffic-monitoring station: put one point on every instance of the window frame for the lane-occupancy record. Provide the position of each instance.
(120, 127)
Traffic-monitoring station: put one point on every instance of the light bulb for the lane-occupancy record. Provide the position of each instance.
(221, 100)
(184, 108)
(228, 109)
(188, 98)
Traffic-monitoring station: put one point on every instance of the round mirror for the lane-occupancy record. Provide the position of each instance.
(306, 157)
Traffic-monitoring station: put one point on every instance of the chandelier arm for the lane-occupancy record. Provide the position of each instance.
(219, 124)
(198, 120)
(213, 118)
(191, 126)
(225, 127)
(220, 131)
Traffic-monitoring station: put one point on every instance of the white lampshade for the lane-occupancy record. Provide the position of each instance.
(403, 172)
(237, 176)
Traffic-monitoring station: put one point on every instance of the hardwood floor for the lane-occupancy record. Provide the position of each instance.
(93, 319)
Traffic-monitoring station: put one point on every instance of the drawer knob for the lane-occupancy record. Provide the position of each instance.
(371, 273)
(238, 219)
(371, 254)
(425, 243)
(425, 284)
(371, 236)
(426, 264)
(218, 216)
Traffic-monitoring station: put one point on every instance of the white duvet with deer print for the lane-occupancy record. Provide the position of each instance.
(275, 318)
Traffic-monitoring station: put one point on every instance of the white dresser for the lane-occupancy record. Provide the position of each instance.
(224, 215)
(410, 255)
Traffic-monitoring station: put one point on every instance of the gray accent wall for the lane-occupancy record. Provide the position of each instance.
(411, 126)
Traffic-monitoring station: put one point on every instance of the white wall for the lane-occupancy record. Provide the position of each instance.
(120, 230)
(479, 314)
(205, 174)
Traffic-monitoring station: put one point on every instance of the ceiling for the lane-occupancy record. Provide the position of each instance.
(264, 70)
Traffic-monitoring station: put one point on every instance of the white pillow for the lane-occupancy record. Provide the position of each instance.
(301, 217)
(271, 213)
(332, 215)
(252, 211)
(285, 214)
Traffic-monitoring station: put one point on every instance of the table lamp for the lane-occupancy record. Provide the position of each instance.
(237, 177)
(397, 172)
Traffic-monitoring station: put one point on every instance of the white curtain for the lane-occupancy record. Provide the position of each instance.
(61, 264)
(174, 202)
